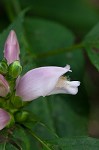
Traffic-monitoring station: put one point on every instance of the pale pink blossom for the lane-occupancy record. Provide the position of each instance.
(4, 86)
(45, 81)
(11, 48)
(4, 118)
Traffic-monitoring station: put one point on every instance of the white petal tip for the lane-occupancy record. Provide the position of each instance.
(72, 87)
(73, 91)
(73, 83)
(78, 83)
(70, 70)
(67, 67)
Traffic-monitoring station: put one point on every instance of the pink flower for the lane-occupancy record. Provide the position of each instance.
(45, 81)
(11, 48)
(37, 82)
(4, 86)
(4, 118)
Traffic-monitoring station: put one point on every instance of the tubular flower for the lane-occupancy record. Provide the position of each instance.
(4, 118)
(11, 48)
(45, 81)
(37, 82)
(4, 86)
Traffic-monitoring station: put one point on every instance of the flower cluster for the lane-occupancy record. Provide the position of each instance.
(37, 82)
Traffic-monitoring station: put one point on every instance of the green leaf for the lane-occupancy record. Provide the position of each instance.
(3, 139)
(47, 35)
(13, 146)
(91, 42)
(44, 125)
(45, 144)
(67, 118)
(57, 114)
(21, 138)
(93, 54)
(76, 14)
(76, 143)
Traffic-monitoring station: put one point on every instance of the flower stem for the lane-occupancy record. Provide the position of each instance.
(58, 51)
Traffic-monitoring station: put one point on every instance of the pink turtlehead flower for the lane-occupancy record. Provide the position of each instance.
(11, 48)
(37, 82)
(4, 118)
(4, 86)
(45, 81)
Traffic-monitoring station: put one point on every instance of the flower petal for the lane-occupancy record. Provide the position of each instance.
(4, 118)
(65, 86)
(72, 87)
(4, 86)
(39, 82)
(11, 48)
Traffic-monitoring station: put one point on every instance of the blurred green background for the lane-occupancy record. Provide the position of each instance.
(52, 33)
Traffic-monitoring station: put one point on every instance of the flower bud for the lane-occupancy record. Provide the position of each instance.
(16, 101)
(21, 116)
(11, 122)
(4, 86)
(15, 69)
(4, 118)
(11, 48)
(3, 67)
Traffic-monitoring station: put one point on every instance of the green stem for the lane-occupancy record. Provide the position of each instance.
(12, 8)
(36, 137)
(4, 146)
(59, 51)
(8, 8)
(16, 6)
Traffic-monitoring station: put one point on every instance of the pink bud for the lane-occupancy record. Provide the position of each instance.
(4, 118)
(44, 81)
(4, 86)
(11, 48)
